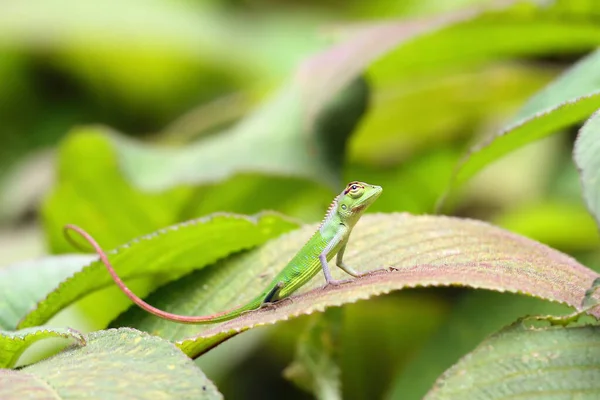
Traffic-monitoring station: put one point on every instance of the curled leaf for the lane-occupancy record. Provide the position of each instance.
(13, 344)
(587, 157)
(525, 131)
(570, 99)
(23, 284)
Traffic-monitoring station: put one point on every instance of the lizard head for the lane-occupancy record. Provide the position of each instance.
(355, 199)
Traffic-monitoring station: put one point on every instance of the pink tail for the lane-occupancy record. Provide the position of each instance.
(141, 303)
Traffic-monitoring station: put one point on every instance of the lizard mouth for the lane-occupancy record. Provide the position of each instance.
(365, 203)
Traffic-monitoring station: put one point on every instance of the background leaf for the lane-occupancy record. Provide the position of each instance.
(304, 127)
(170, 252)
(13, 344)
(122, 363)
(276, 139)
(532, 221)
(569, 99)
(380, 141)
(472, 319)
(22, 285)
(587, 157)
(98, 196)
(426, 250)
(525, 362)
(505, 29)
(315, 367)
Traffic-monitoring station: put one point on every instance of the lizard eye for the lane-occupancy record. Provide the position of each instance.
(353, 189)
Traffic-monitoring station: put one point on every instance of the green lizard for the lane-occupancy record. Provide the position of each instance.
(330, 239)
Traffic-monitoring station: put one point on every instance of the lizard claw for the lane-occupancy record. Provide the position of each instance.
(372, 272)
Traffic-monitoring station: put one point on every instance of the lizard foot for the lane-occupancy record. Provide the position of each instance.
(334, 282)
(281, 301)
(268, 306)
(273, 305)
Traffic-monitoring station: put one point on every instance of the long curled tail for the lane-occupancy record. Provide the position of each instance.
(222, 316)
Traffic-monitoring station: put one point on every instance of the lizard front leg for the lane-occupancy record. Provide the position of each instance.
(323, 259)
(339, 261)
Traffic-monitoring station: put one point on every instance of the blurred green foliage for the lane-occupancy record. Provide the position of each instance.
(156, 112)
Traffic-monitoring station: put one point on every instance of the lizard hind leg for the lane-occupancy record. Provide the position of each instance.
(273, 294)
(270, 298)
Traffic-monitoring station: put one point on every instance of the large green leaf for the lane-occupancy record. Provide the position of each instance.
(572, 98)
(170, 252)
(527, 363)
(13, 344)
(587, 157)
(424, 251)
(22, 285)
(114, 364)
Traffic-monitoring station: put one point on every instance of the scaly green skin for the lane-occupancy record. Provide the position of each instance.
(330, 239)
